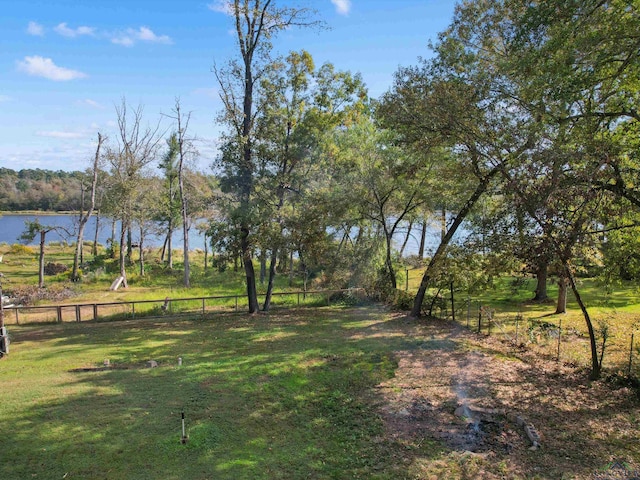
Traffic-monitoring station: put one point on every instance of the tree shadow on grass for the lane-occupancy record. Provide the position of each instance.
(287, 396)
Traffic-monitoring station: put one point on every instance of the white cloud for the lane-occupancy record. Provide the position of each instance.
(143, 34)
(343, 7)
(36, 29)
(91, 103)
(65, 31)
(57, 134)
(44, 67)
(221, 6)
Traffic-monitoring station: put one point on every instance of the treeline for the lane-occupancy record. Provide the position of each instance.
(36, 189)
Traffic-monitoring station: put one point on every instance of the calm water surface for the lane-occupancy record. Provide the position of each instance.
(12, 227)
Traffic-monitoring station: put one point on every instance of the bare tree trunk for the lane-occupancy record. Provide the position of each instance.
(85, 218)
(123, 270)
(43, 234)
(406, 239)
(94, 248)
(141, 250)
(423, 236)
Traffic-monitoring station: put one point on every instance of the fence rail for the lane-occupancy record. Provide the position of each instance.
(125, 310)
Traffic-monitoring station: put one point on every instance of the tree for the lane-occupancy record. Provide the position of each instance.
(386, 183)
(137, 146)
(35, 229)
(84, 218)
(256, 23)
(170, 212)
(184, 149)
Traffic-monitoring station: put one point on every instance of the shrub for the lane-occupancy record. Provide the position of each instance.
(54, 268)
(20, 249)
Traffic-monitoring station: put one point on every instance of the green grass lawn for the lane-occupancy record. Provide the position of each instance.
(264, 397)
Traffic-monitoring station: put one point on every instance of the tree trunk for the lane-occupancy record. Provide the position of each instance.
(440, 252)
(94, 248)
(272, 275)
(595, 364)
(423, 236)
(123, 269)
(562, 296)
(43, 235)
(84, 218)
(206, 253)
(263, 266)
(141, 251)
(129, 245)
(250, 274)
(406, 239)
(389, 262)
(541, 282)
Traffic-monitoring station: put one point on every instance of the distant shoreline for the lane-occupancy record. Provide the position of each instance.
(37, 212)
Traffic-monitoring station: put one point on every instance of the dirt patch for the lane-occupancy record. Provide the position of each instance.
(467, 396)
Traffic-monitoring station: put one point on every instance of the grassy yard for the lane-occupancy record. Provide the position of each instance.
(264, 397)
(330, 393)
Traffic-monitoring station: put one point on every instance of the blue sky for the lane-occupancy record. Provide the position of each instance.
(65, 64)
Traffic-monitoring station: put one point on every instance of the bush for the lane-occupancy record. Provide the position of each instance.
(20, 249)
(54, 268)
(404, 300)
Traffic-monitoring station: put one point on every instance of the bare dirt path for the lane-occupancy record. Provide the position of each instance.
(461, 395)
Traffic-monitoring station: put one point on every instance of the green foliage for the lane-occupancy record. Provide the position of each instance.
(38, 189)
(20, 249)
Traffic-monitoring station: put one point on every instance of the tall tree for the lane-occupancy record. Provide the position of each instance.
(137, 146)
(35, 229)
(170, 213)
(84, 217)
(257, 22)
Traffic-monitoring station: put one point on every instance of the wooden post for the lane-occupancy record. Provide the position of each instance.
(236, 303)
(95, 312)
(78, 319)
(203, 308)
(631, 354)
(453, 306)
(479, 318)
(559, 335)
(133, 310)
(468, 311)
(59, 312)
(17, 319)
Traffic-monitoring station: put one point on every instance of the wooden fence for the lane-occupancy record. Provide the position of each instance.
(158, 308)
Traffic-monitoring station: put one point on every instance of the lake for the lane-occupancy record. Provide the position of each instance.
(12, 227)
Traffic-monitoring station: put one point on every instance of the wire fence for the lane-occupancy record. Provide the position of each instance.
(203, 306)
(552, 336)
